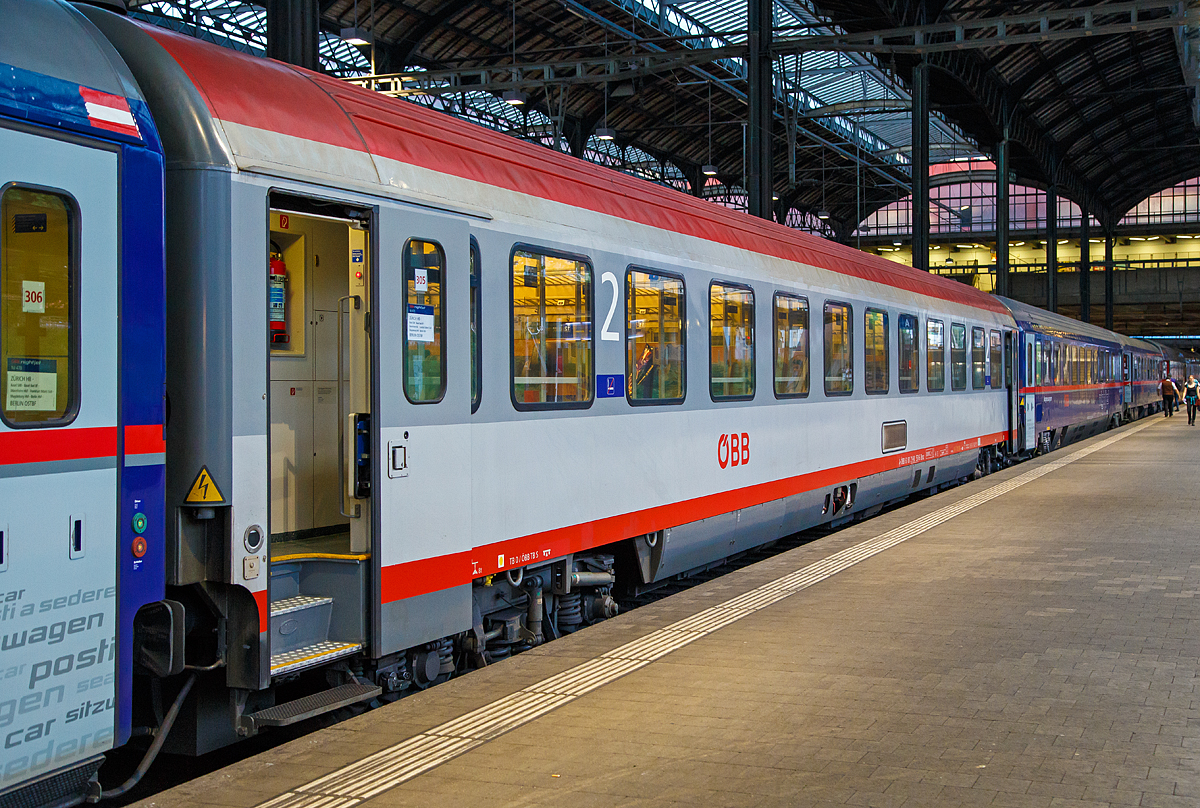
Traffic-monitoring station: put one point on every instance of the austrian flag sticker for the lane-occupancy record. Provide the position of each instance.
(111, 112)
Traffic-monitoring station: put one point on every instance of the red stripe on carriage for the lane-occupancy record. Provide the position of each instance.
(144, 439)
(263, 601)
(400, 581)
(432, 574)
(49, 445)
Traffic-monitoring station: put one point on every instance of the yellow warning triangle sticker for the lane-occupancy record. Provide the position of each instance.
(204, 490)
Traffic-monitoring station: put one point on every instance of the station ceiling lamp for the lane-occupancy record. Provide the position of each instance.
(356, 36)
(604, 133)
(822, 215)
(514, 97)
(708, 170)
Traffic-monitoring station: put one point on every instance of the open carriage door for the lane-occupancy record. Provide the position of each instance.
(422, 462)
(320, 539)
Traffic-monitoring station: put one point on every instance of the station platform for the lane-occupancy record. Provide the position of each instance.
(1027, 639)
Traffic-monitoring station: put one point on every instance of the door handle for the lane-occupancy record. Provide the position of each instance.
(344, 455)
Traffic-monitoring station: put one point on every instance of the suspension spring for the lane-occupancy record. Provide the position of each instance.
(570, 612)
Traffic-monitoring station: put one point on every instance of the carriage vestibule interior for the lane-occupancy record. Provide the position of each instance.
(317, 266)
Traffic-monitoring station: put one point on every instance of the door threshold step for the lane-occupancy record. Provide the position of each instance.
(297, 603)
(310, 655)
(281, 715)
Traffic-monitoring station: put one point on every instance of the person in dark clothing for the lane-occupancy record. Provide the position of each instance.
(1169, 392)
(1191, 395)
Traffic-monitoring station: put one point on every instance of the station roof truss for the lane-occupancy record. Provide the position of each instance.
(1097, 98)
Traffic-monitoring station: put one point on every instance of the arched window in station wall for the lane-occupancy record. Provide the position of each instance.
(1179, 204)
(969, 206)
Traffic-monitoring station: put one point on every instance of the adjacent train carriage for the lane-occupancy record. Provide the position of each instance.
(81, 396)
(1077, 379)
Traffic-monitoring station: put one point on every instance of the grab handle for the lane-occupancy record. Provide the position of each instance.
(343, 457)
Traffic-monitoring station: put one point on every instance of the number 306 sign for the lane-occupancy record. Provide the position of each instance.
(33, 296)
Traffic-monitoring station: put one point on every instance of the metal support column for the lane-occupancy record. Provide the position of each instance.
(760, 182)
(1108, 279)
(1052, 248)
(1085, 267)
(292, 32)
(1002, 279)
(920, 166)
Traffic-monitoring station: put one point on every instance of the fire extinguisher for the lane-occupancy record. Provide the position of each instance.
(278, 297)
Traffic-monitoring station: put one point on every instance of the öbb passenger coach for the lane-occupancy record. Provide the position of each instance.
(432, 395)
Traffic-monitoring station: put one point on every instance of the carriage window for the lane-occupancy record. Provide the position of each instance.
(731, 341)
(978, 359)
(424, 359)
(935, 355)
(958, 356)
(996, 357)
(910, 374)
(875, 346)
(39, 335)
(654, 355)
(476, 305)
(791, 346)
(839, 350)
(551, 331)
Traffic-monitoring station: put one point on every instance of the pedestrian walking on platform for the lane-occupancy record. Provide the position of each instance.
(1191, 395)
(1169, 392)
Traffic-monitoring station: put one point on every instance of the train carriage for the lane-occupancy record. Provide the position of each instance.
(81, 407)
(420, 372)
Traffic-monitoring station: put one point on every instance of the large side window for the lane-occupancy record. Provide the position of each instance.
(791, 346)
(839, 350)
(654, 337)
(424, 323)
(39, 329)
(910, 356)
(875, 347)
(935, 355)
(731, 341)
(551, 331)
(996, 358)
(958, 356)
(978, 359)
(476, 316)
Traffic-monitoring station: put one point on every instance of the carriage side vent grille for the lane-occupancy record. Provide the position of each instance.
(895, 436)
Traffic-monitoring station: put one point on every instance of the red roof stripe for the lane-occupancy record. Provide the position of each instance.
(279, 98)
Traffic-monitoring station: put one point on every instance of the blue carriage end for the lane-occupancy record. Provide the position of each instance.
(105, 109)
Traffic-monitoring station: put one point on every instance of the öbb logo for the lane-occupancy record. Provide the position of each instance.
(733, 449)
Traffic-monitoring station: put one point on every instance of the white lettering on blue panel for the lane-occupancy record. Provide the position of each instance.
(610, 386)
(356, 256)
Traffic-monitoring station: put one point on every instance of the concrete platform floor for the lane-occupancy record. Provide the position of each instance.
(1029, 639)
